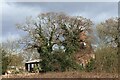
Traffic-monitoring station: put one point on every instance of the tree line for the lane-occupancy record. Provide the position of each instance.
(55, 38)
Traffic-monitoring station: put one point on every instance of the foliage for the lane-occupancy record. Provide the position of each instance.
(108, 49)
(50, 29)
(37, 68)
(10, 60)
(90, 66)
(59, 61)
(108, 32)
(9, 57)
(106, 59)
(15, 59)
(12, 50)
(5, 60)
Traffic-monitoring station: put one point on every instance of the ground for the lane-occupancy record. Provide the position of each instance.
(74, 74)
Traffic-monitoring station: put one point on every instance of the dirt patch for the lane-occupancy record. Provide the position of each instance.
(63, 75)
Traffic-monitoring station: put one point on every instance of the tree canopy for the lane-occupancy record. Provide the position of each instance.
(56, 36)
(109, 32)
(107, 54)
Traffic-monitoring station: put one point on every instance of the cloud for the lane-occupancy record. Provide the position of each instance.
(92, 10)
(13, 15)
(16, 12)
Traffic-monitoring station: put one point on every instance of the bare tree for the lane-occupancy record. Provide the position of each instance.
(109, 32)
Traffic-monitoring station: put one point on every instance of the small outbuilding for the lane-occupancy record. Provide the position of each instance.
(30, 65)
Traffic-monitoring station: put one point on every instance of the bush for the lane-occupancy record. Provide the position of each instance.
(5, 60)
(90, 66)
(106, 59)
(58, 61)
(37, 68)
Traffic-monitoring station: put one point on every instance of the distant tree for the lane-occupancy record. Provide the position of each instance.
(4, 62)
(55, 30)
(108, 32)
(15, 60)
(108, 50)
(29, 54)
(12, 48)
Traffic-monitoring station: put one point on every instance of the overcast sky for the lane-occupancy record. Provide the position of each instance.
(16, 12)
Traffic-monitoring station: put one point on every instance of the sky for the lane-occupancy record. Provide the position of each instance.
(16, 12)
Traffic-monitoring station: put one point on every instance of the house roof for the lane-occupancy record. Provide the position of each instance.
(32, 61)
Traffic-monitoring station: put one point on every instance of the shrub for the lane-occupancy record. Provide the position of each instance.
(58, 61)
(90, 66)
(5, 61)
(107, 59)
